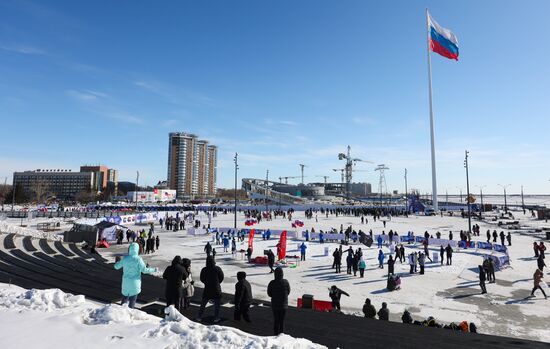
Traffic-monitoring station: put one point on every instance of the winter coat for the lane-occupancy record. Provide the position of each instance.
(270, 258)
(174, 275)
(537, 278)
(188, 286)
(243, 291)
(381, 257)
(482, 276)
(362, 264)
(369, 311)
(132, 267)
(384, 314)
(278, 289)
(212, 277)
(335, 294)
(406, 317)
(303, 248)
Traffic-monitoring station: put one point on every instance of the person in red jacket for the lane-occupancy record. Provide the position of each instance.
(537, 279)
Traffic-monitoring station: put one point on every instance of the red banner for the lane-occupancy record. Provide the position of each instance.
(282, 245)
(251, 239)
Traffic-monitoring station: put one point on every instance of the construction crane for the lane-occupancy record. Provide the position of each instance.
(348, 168)
(287, 177)
(302, 169)
(324, 177)
(341, 172)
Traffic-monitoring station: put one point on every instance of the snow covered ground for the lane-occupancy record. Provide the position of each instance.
(449, 293)
(53, 319)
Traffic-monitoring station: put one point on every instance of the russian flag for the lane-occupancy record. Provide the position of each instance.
(442, 40)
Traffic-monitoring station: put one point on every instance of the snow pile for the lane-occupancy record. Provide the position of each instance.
(43, 300)
(6, 227)
(116, 314)
(196, 336)
(51, 312)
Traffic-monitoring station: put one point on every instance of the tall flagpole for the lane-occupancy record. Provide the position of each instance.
(434, 181)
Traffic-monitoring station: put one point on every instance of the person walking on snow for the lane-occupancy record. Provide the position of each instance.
(174, 275)
(537, 279)
(132, 266)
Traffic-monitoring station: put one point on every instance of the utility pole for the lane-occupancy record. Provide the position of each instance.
(505, 203)
(406, 192)
(266, 188)
(522, 202)
(13, 187)
(482, 209)
(468, 191)
(235, 159)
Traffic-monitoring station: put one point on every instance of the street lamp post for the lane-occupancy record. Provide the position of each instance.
(406, 192)
(266, 188)
(236, 168)
(482, 209)
(137, 188)
(468, 191)
(505, 203)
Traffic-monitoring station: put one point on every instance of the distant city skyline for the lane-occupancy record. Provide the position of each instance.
(280, 83)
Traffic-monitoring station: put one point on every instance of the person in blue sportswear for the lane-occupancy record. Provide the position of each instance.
(132, 266)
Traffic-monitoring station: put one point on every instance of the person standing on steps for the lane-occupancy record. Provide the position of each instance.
(243, 297)
(369, 310)
(278, 289)
(132, 266)
(212, 277)
(384, 312)
(174, 275)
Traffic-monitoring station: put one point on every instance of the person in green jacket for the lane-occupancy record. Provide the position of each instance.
(132, 267)
(362, 267)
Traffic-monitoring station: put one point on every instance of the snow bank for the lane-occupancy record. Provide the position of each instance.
(116, 314)
(50, 312)
(196, 336)
(42, 300)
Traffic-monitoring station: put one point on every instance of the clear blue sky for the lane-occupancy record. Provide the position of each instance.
(280, 82)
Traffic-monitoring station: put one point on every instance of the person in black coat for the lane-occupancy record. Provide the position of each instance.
(278, 289)
(449, 251)
(243, 297)
(335, 294)
(384, 312)
(391, 263)
(482, 278)
(174, 275)
(540, 263)
(369, 310)
(270, 260)
(211, 277)
(337, 260)
(406, 317)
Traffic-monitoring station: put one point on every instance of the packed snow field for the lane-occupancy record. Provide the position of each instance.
(448, 293)
(60, 320)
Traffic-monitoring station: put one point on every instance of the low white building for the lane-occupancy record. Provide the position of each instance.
(157, 195)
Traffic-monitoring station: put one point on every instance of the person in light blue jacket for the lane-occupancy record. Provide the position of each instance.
(132, 267)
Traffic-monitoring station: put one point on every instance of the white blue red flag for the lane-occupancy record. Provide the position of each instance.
(442, 40)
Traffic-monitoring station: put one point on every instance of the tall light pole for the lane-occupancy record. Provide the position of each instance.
(468, 191)
(406, 192)
(266, 188)
(505, 203)
(522, 202)
(482, 209)
(235, 159)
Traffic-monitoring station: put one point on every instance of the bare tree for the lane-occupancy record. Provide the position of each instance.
(41, 190)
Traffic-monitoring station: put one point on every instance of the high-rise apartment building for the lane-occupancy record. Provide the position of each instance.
(101, 175)
(191, 166)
